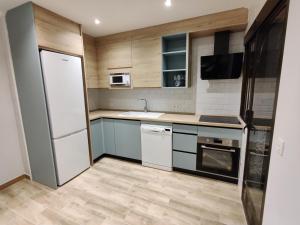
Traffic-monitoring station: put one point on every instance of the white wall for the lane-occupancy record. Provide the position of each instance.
(282, 204)
(13, 161)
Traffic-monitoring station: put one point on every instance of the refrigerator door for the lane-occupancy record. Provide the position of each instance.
(64, 91)
(72, 157)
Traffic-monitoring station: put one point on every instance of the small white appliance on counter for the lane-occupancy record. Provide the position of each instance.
(120, 79)
(63, 83)
(157, 146)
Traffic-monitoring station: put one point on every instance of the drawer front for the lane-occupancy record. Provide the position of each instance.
(187, 129)
(184, 160)
(185, 142)
(235, 134)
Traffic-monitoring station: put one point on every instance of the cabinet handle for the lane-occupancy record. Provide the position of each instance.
(218, 149)
(257, 154)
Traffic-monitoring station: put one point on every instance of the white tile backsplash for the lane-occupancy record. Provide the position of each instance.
(206, 97)
(217, 97)
(167, 100)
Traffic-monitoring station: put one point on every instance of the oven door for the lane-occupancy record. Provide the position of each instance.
(219, 160)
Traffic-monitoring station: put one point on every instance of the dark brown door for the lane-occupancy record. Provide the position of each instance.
(263, 68)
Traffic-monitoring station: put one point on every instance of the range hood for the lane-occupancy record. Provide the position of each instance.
(221, 65)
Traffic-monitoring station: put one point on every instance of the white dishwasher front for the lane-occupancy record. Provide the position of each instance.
(157, 146)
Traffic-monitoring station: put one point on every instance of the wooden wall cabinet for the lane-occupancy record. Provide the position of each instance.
(119, 54)
(102, 62)
(141, 49)
(57, 33)
(90, 61)
(112, 56)
(147, 62)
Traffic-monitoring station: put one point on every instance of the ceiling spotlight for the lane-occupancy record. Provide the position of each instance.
(168, 3)
(97, 21)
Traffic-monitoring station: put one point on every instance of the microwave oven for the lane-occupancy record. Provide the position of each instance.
(120, 79)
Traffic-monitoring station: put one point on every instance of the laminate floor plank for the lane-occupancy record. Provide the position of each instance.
(116, 192)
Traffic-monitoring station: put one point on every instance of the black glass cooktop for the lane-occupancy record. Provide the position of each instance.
(219, 119)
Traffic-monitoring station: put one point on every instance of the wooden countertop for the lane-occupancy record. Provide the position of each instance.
(190, 119)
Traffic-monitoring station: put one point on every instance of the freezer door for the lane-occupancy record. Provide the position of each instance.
(71, 156)
(64, 91)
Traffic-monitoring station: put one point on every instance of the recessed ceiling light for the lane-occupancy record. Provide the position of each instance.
(168, 3)
(97, 21)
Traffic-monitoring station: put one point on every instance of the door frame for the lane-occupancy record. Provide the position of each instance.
(269, 11)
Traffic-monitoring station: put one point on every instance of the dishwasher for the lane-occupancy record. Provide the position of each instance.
(157, 146)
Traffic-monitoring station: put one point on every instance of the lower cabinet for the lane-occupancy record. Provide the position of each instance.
(185, 147)
(128, 139)
(97, 138)
(122, 138)
(183, 160)
(109, 136)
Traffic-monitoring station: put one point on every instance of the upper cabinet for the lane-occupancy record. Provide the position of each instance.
(112, 55)
(146, 61)
(175, 60)
(90, 61)
(119, 54)
(57, 33)
(102, 65)
(156, 56)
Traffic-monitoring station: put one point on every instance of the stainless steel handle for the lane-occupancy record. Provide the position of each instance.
(218, 149)
(257, 154)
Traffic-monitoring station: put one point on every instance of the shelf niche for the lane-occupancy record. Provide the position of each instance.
(175, 60)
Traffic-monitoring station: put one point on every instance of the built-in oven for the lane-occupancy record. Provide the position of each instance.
(218, 158)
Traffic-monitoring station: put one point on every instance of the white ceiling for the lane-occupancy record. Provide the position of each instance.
(122, 15)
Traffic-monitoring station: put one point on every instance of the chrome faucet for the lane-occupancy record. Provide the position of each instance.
(146, 104)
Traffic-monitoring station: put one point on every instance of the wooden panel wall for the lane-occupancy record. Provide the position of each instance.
(90, 59)
(57, 33)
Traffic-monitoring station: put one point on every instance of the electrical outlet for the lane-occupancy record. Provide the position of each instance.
(280, 146)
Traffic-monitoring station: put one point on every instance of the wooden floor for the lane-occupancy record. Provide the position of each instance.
(115, 192)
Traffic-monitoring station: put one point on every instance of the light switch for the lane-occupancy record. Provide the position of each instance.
(280, 146)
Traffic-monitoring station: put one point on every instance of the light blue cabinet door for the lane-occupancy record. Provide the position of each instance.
(128, 139)
(109, 136)
(185, 142)
(184, 160)
(97, 138)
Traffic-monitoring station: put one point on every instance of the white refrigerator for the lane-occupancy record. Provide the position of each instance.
(64, 90)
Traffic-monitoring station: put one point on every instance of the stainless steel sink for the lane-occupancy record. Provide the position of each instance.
(151, 115)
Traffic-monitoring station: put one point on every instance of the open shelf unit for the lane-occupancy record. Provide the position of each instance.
(175, 58)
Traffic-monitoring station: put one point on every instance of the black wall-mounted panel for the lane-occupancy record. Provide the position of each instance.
(222, 43)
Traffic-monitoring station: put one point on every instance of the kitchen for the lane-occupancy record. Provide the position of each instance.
(179, 114)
